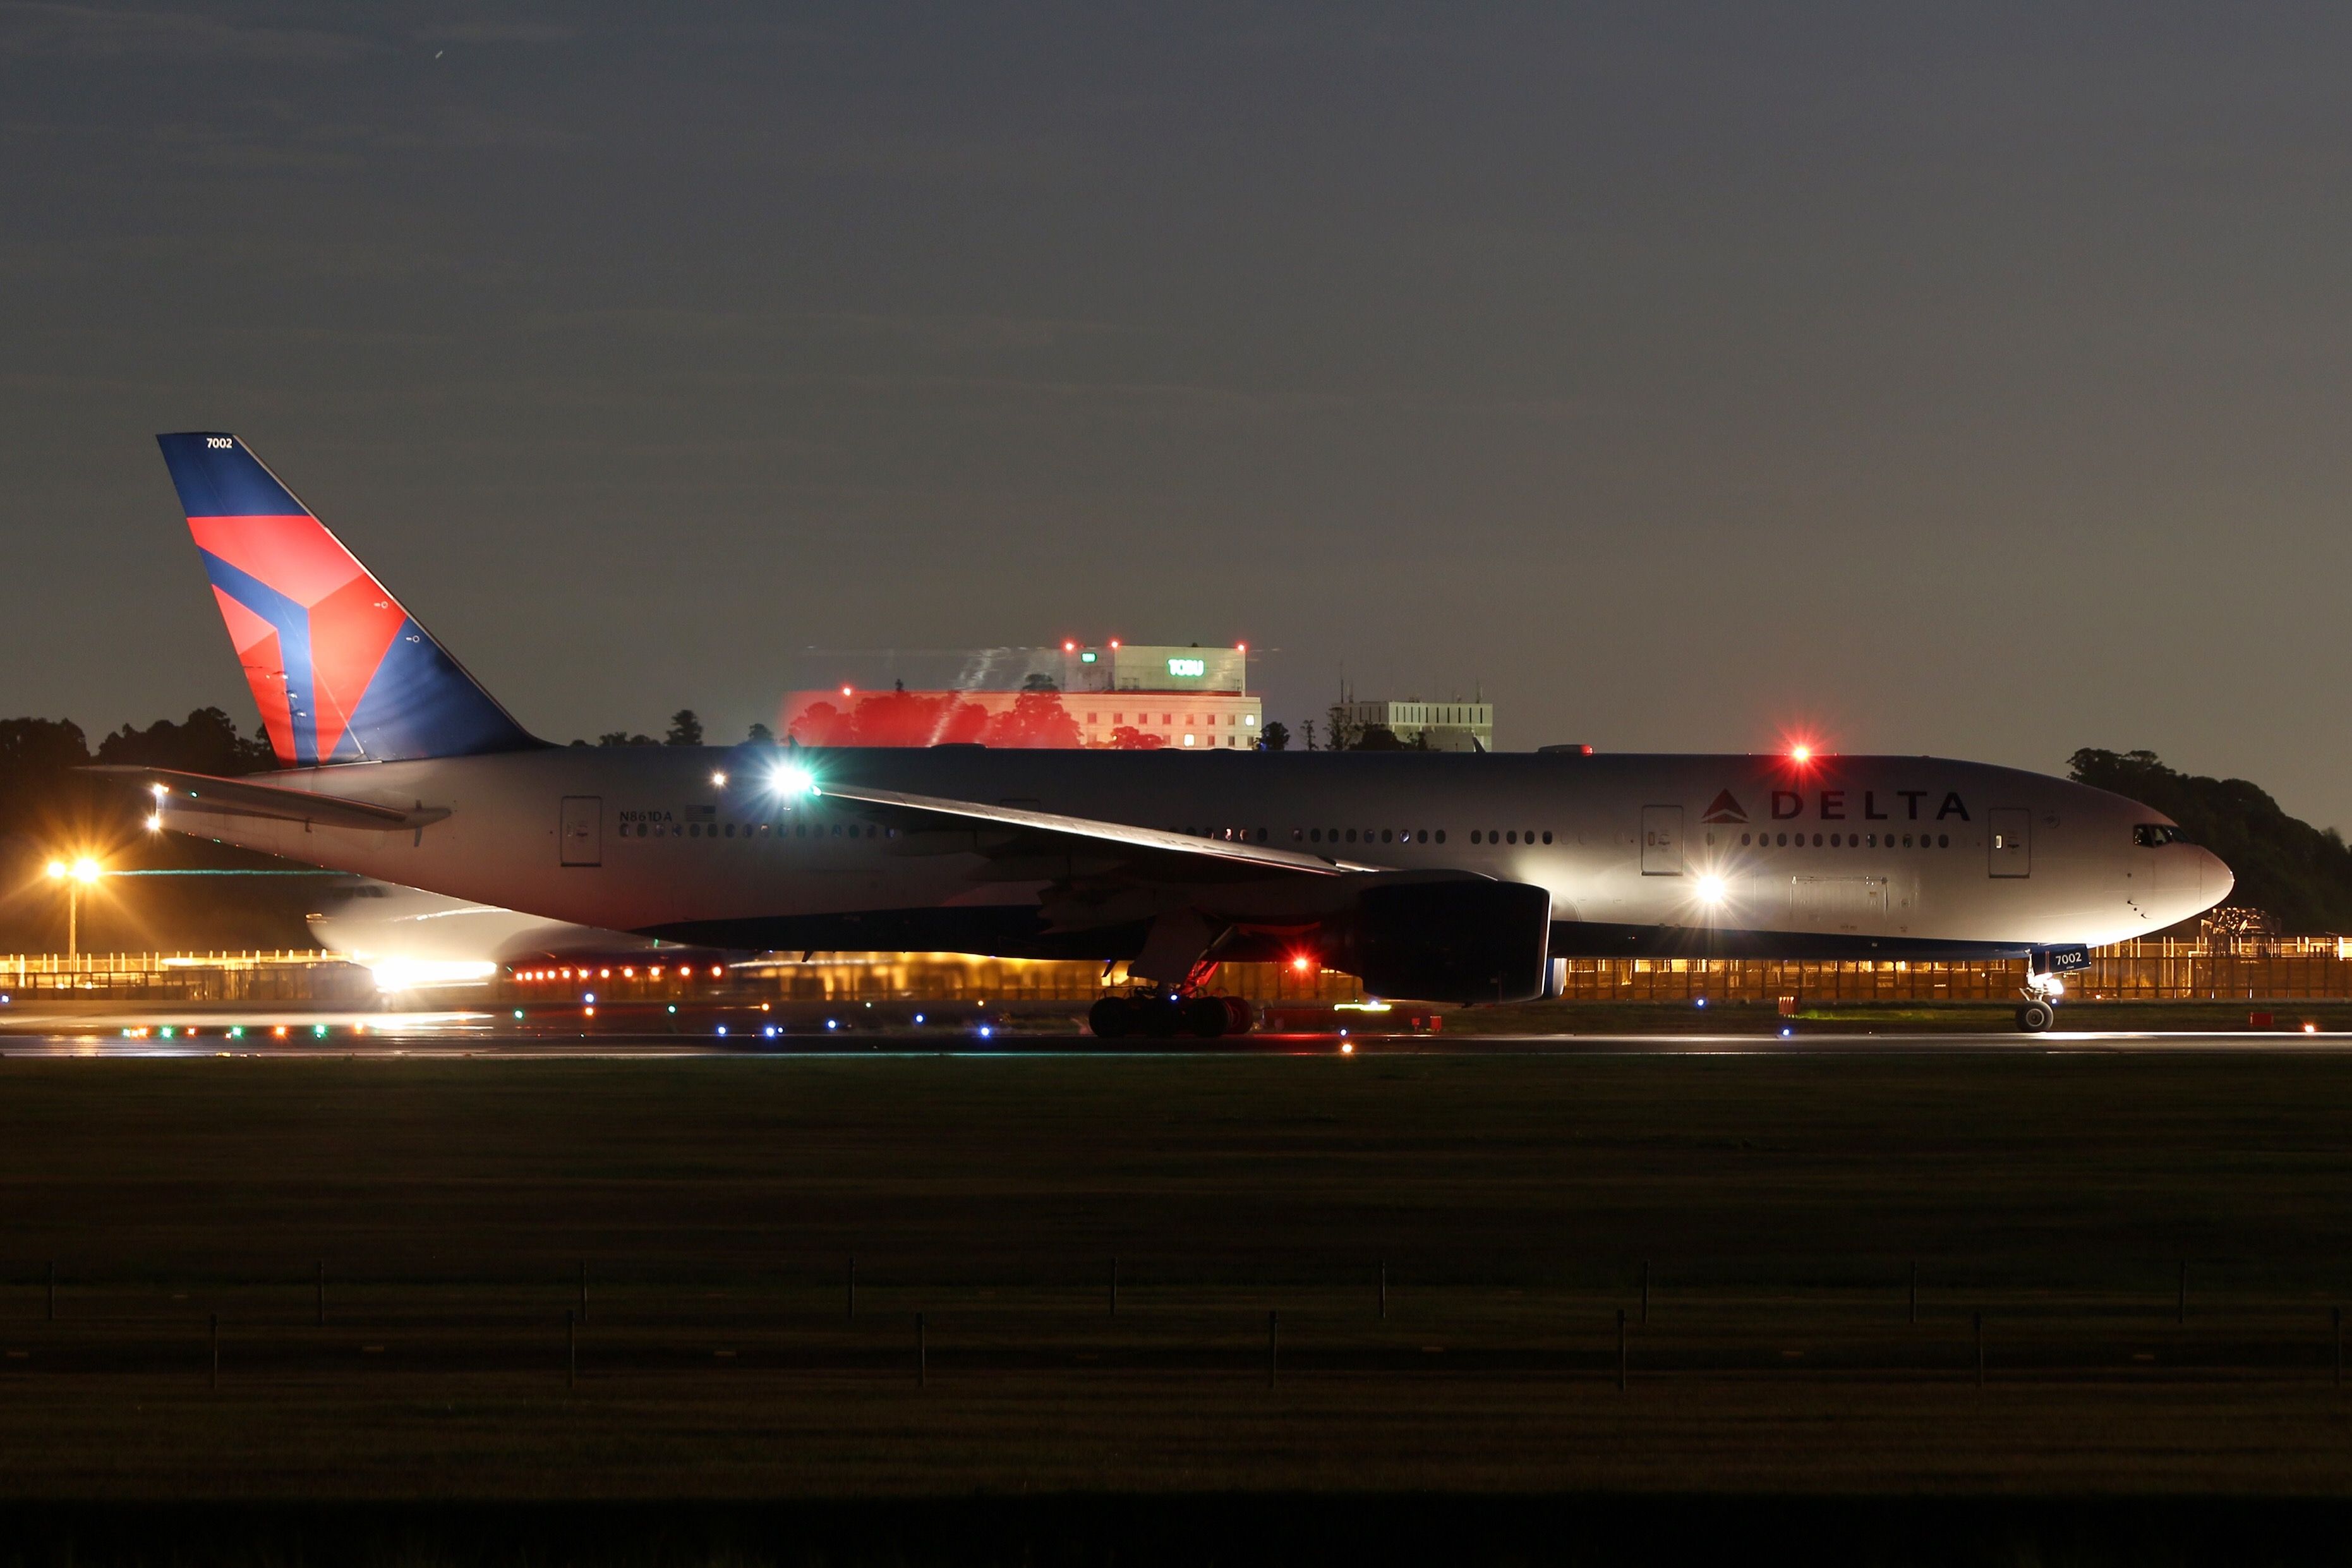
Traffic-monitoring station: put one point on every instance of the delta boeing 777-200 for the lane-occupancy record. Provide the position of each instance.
(1432, 877)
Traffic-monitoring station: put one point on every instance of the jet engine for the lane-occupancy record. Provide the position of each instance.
(1450, 940)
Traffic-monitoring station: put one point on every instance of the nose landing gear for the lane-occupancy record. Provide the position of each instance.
(2039, 1008)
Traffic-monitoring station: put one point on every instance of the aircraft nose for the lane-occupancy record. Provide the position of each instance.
(2214, 878)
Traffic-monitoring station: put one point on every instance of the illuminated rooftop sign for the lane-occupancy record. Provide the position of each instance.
(1195, 668)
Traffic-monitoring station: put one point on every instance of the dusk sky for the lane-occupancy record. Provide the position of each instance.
(1959, 380)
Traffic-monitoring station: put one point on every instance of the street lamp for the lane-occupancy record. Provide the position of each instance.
(75, 875)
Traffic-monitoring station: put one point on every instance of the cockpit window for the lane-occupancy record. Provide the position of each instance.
(2149, 835)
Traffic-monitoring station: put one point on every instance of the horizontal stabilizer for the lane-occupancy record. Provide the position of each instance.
(177, 792)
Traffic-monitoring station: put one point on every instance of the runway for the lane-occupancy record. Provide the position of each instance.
(458, 1035)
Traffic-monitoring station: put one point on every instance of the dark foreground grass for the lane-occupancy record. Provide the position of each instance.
(1778, 1205)
(1260, 1527)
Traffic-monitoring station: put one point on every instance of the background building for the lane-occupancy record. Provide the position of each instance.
(1196, 697)
(1116, 696)
(1452, 726)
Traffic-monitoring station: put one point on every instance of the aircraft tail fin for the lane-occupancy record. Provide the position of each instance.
(340, 672)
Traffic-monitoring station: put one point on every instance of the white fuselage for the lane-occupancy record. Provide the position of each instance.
(1841, 856)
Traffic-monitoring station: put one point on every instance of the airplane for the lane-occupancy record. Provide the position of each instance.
(1442, 877)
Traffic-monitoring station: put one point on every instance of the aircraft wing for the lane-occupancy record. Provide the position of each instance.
(1109, 834)
(177, 790)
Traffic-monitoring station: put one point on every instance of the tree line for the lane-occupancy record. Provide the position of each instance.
(2298, 877)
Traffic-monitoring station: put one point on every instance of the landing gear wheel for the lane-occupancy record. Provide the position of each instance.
(1159, 1017)
(2035, 1017)
(1240, 1017)
(1205, 1017)
(1112, 1018)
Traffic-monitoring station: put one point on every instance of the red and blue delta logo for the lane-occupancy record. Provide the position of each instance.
(1724, 808)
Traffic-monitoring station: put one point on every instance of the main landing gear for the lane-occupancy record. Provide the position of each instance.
(1165, 1014)
(2039, 1008)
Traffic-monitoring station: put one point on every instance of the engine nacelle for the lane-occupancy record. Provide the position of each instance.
(1450, 942)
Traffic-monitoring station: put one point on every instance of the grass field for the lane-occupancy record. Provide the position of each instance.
(1779, 1204)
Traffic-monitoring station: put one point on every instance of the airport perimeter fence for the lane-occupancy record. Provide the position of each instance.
(878, 977)
(292, 974)
(2299, 968)
(1616, 1324)
(2150, 970)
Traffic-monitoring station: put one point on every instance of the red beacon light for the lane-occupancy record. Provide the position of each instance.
(1800, 753)
(1069, 647)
